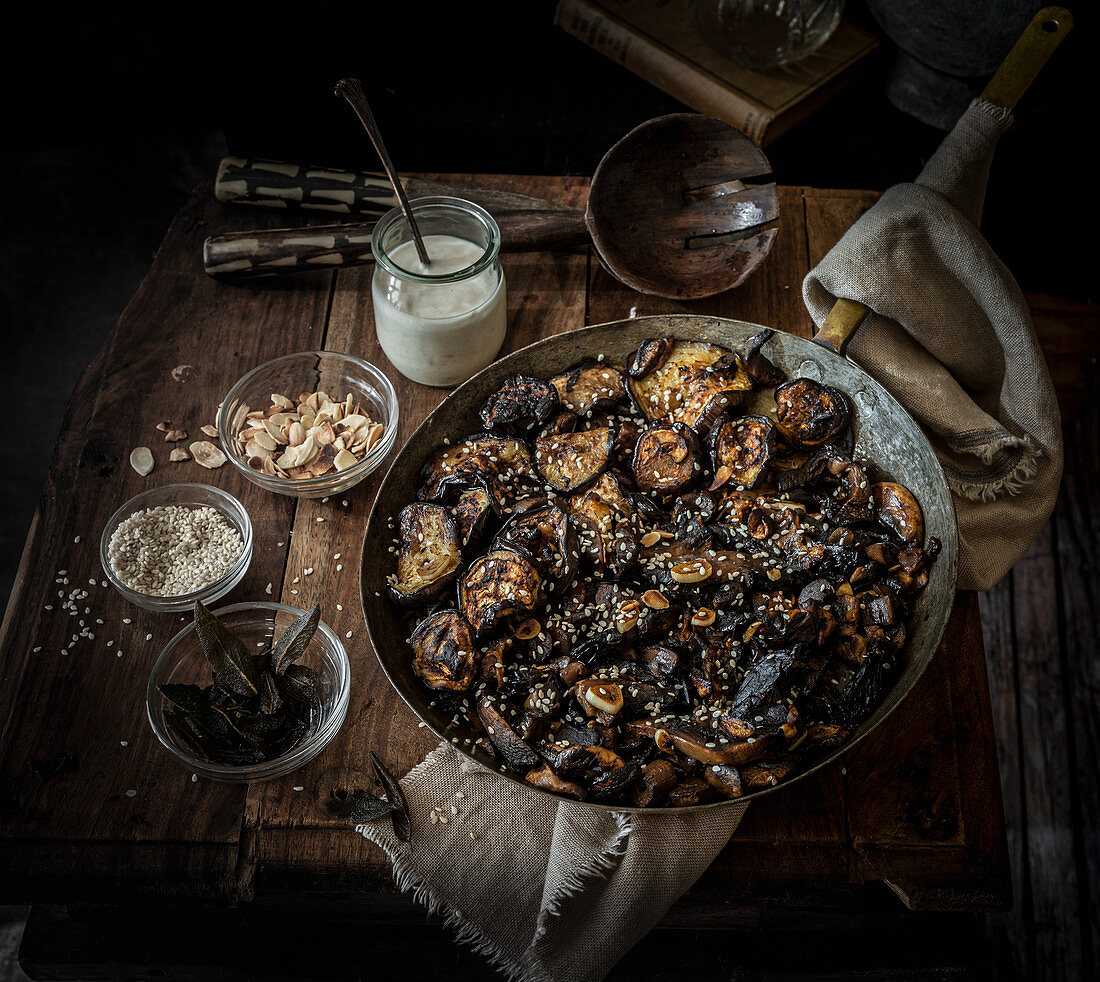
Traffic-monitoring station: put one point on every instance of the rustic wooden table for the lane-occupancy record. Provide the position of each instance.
(123, 848)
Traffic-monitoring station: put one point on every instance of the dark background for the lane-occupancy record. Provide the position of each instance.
(109, 122)
(116, 121)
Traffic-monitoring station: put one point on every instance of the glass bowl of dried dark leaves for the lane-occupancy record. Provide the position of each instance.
(249, 692)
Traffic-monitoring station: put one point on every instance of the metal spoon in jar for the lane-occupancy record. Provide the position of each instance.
(352, 90)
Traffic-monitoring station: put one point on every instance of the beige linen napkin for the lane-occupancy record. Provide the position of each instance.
(545, 891)
(950, 336)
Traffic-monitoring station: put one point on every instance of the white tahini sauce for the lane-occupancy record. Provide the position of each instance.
(440, 333)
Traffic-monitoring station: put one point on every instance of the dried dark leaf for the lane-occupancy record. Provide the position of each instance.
(177, 724)
(229, 658)
(259, 731)
(299, 683)
(359, 806)
(196, 704)
(271, 699)
(294, 640)
(402, 825)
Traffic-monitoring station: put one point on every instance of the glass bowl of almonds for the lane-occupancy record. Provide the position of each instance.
(309, 424)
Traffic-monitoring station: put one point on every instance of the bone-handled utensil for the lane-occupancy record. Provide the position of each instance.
(291, 187)
(276, 252)
(352, 90)
(1019, 69)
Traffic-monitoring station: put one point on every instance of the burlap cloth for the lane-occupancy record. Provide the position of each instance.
(546, 892)
(559, 892)
(950, 336)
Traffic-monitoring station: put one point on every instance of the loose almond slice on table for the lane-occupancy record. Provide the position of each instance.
(206, 454)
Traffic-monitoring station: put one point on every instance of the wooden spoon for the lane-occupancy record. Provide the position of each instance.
(667, 213)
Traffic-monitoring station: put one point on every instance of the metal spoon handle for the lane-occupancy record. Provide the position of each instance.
(352, 90)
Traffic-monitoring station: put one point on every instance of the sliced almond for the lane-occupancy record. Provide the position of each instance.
(345, 459)
(274, 430)
(174, 436)
(324, 433)
(178, 454)
(281, 401)
(266, 441)
(141, 460)
(164, 425)
(651, 539)
(206, 454)
(209, 430)
(693, 571)
(654, 600)
(296, 434)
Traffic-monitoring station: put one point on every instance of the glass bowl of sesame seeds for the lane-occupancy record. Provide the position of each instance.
(257, 624)
(177, 543)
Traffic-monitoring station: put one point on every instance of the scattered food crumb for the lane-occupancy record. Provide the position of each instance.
(299, 787)
(130, 793)
(124, 743)
(267, 589)
(181, 373)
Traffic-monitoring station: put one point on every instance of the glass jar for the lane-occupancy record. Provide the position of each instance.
(766, 34)
(441, 323)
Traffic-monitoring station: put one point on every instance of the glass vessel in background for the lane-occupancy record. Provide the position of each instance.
(765, 34)
(441, 323)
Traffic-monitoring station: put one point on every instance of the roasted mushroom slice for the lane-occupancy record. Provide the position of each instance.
(758, 365)
(481, 454)
(547, 536)
(810, 413)
(520, 404)
(740, 451)
(515, 753)
(544, 777)
(443, 651)
(567, 461)
(649, 356)
(658, 778)
(897, 510)
(500, 582)
(725, 779)
(667, 459)
(428, 556)
(592, 385)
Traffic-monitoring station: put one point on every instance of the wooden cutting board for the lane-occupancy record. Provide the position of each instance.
(91, 807)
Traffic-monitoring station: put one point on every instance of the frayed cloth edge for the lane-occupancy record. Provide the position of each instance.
(1012, 483)
(470, 935)
(596, 868)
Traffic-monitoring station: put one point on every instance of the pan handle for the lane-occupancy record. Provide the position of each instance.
(1028, 55)
(840, 324)
(1018, 70)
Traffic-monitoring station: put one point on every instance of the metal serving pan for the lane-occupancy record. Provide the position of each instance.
(886, 436)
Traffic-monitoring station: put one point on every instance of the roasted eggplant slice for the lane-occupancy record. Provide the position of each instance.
(667, 460)
(693, 384)
(810, 413)
(443, 651)
(567, 461)
(428, 556)
(593, 385)
(897, 510)
(548, 537)
(473, 510)
(499, 583)
(520, 404)
(481, 454)
(740, 451)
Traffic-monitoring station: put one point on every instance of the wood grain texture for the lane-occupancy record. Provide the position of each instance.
(827, 845)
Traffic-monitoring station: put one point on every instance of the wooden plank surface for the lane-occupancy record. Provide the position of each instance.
(831, 834)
